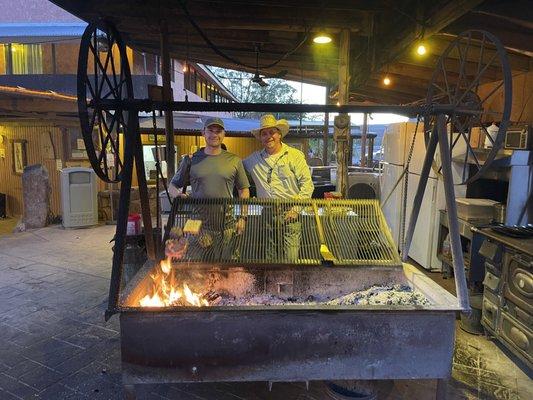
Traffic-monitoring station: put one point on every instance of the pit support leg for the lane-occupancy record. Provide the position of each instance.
(453, 222)
(122, 225)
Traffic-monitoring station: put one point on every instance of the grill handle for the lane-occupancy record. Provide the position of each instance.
(326, 254)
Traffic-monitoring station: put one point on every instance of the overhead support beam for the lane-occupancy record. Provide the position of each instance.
(335, 5)
(281, 25)
(403, 40)
(437, 22)
(514, 34)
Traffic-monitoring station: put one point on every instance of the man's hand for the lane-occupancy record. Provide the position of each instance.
(291, 216)
(172, 191)
(239, 226)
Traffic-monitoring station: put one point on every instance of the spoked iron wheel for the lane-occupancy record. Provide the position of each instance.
(474, 58)
(103, 74)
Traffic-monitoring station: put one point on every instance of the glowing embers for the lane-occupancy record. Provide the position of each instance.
(167, 291)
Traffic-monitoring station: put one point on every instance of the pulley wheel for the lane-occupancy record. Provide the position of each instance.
(474, 58)
(103, 74)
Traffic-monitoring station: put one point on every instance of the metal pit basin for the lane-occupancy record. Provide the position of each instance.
(290, 342)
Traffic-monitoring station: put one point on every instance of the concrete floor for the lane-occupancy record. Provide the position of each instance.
(56, 345)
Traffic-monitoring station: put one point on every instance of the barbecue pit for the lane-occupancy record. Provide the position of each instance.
(288, 342)
(285, 342)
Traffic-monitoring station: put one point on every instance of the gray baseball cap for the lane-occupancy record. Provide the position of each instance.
(214, 121)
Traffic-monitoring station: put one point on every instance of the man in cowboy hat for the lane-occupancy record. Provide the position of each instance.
(280, 172)
(213, 172)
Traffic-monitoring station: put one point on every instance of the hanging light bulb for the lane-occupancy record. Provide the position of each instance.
(184, 69)
(421, 49)
(386, 81)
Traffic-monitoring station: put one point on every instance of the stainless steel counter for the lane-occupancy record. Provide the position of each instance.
(519, 244)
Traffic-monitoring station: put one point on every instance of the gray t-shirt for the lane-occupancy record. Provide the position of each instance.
(211, 176)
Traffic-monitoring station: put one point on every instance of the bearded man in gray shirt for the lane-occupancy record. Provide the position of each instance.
(213, 173)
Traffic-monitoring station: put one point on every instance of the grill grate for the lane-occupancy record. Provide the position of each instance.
(312, 232)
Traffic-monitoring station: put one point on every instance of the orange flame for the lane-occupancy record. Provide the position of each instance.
(166, 292)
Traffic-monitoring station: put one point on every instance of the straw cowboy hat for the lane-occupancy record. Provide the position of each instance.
(269, 121)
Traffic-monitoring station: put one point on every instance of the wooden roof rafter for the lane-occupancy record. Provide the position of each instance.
(382, 34)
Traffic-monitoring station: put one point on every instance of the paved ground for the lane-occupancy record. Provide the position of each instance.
(56, 345)
(7, 225)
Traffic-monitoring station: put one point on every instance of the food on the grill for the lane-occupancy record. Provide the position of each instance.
(176, 232)
(176, 248)
(205, 240)
(192, 227)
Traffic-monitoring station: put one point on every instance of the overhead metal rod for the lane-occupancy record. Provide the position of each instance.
(149, 105)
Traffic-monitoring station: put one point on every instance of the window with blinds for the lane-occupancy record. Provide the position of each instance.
(21, 59)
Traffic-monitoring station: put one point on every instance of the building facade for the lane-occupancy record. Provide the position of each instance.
(39, 46)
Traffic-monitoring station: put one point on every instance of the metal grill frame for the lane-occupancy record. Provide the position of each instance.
(354, 232)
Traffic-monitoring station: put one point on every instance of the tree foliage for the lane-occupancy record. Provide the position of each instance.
(241, 86)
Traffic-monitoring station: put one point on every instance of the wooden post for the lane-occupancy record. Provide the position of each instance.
(363, 140)
(344, 67)
(342, 121)
(167, 96)
(325, 135)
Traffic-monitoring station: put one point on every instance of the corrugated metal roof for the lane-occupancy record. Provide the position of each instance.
(40, 32)
(195, 123)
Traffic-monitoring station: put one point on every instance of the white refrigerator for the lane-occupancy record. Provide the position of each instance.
(396, 143)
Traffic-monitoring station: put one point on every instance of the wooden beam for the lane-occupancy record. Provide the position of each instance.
(337, 5)
(453, 66)
(343, 143)
(514, 34)
(381, 96)
(238, 41)
(515, 11)
(439, 43)
(344, 66)
(396, 41)
(221, 15)
(312, 68)
(31, 105)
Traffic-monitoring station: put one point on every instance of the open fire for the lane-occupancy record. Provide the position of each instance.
(166, 287)
(166, 291)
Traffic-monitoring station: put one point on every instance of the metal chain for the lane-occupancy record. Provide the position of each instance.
(406, 186)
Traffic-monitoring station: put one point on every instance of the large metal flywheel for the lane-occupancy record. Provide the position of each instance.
(455, 82)
(103, 74)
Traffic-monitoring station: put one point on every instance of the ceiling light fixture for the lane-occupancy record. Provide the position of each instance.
(386, 81)
(421, 49)
(322, 38)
